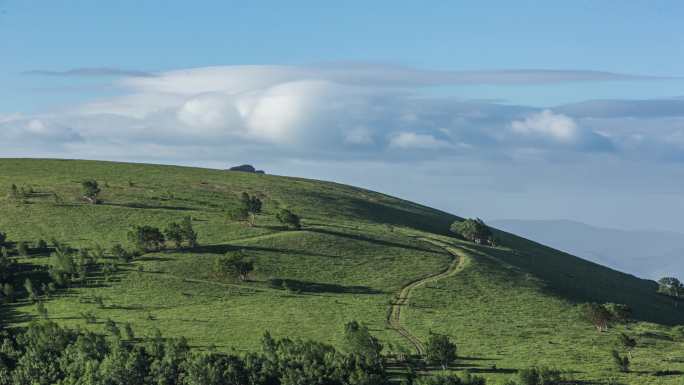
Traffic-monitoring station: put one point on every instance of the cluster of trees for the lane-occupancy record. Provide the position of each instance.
(149, 238)
(182, 232)
(46, 353)
(251, 205)
(602, 315)
(474, 230)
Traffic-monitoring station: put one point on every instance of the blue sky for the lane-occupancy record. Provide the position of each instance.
(429, 90)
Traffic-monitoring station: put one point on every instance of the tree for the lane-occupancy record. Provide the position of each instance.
(619, 313)
(627, 342)
(23, 249)
(188, 232)
(671, 286)
(90, 191)
(3, 238)
(238, 214)
(252, 204)
(8, 292)
(621, 362)
(146, 238)
(289, 219)
(41, 310)
(174, 233)
(598, 315)
(440, 350)
(28, 286)
(359, 341)
(474, 230)
(234, 263)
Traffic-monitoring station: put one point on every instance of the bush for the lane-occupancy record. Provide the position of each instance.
(289, 219)
(23, 249)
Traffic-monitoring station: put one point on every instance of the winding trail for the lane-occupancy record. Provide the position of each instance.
(402, 298)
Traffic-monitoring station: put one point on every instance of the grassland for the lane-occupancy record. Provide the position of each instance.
(507, 307)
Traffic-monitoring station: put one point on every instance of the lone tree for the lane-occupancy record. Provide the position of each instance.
(598, 315)
(627, 342)
(251, 204)
(234, 263)
(619, 313)
(146, 238)
(289, 219)
(621, 362)
(361, 342)
(440, 350)
(474, 230)
(188, 233)
(671, 286)
(91, 190)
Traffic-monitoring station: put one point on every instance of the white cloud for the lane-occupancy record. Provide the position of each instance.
(412, 140)
(558, 127)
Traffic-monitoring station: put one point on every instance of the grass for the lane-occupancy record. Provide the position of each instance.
(508, 308)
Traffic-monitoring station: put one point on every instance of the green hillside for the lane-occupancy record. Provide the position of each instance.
(359, 252)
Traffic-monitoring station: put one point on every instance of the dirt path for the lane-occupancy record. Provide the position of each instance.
(402, 299)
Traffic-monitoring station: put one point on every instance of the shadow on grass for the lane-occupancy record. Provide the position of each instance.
(380, 242)
(316, 287)
(136, 205)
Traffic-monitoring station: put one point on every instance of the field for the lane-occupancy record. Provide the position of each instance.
(359, 252)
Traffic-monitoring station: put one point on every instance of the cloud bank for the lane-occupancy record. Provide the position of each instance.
(346, 111)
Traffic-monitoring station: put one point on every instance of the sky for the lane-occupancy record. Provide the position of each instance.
(496, 109)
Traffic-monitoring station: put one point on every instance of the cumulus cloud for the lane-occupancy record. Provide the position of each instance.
(343, 111)
(412, 140)
(557, 127)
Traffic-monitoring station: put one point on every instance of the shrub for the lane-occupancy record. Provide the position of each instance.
(233, 263)
(289, 219)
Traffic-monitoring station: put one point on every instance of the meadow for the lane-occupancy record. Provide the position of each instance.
(506, 307)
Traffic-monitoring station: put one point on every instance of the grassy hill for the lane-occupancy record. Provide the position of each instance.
(507, 307)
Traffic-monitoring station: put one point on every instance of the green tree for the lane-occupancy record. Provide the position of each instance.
(474, 230)
(188, 232)
(598, 315)
(627, 342)
(252, 204)
(289, 219)
(440, 350)
(359, 341)
(3, 238)
(671, 286)
(174, 233)
(234, 263)
(23, 249)
(41, 310)
(30, 290)
(91, 190)
(620, 362)
(619, 313)
(8, 292)
(146, 238)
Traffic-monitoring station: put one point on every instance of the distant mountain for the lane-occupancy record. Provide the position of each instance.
(648, 254)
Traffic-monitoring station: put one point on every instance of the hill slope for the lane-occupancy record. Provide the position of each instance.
(506, 307)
